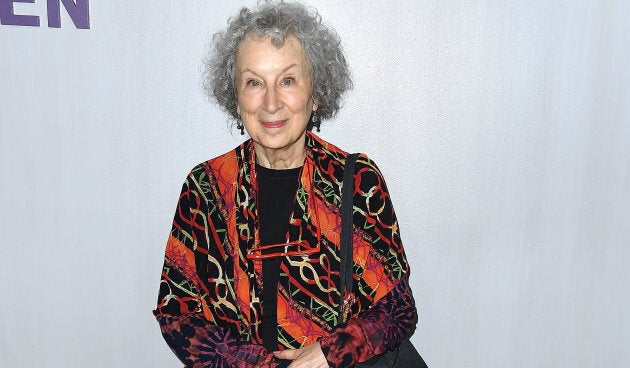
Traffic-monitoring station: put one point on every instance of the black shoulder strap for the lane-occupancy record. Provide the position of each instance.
(347, 194)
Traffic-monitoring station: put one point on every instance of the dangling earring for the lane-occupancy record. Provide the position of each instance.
(239, 121)
(315, 122)
(240, 126)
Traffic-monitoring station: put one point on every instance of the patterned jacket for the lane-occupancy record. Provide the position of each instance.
(209, 305)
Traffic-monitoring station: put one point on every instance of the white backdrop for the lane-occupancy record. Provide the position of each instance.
(502, 128)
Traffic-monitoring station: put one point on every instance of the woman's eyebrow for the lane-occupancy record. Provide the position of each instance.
(243, 71)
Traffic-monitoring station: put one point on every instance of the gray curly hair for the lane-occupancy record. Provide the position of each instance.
(330, 76)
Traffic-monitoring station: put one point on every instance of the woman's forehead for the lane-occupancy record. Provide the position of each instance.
(259, 51)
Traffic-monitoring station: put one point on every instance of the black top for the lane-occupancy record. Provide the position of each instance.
(276, 195)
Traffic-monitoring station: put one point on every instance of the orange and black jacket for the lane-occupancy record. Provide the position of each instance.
(210, 297)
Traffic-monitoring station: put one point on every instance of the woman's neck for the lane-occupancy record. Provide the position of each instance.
(279, 159)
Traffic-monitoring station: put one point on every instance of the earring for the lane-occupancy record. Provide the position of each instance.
(240, 126)
(315, 122)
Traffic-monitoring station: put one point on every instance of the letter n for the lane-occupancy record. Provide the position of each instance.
(78, 11)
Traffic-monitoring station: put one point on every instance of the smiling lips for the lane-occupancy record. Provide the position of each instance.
(273, 124)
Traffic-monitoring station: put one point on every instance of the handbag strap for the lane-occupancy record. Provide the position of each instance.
(345, 262)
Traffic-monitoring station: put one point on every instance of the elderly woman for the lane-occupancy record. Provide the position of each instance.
(251, 273)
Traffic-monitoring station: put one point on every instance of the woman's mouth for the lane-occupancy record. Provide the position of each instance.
(273, 124)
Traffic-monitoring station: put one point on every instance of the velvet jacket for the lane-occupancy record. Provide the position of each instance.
(209, 304)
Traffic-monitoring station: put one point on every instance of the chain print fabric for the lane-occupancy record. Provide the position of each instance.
(209, 304)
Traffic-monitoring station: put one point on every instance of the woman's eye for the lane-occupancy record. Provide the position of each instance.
(287, 81)
(253, 83)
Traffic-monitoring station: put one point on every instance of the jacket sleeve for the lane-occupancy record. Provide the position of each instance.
(392, 316)
(186, 325)
(380, 328)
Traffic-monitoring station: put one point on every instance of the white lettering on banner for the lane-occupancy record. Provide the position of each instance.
(79, 12)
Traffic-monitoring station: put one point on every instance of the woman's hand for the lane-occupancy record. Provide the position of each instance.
(307, 357)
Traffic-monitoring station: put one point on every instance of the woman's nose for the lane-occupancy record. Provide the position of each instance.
(272, 100)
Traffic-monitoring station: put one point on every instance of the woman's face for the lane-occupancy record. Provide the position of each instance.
(274, 95)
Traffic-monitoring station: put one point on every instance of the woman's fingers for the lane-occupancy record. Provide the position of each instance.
(307, 357)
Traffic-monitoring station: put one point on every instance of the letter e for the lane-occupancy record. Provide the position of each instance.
(8, 17)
